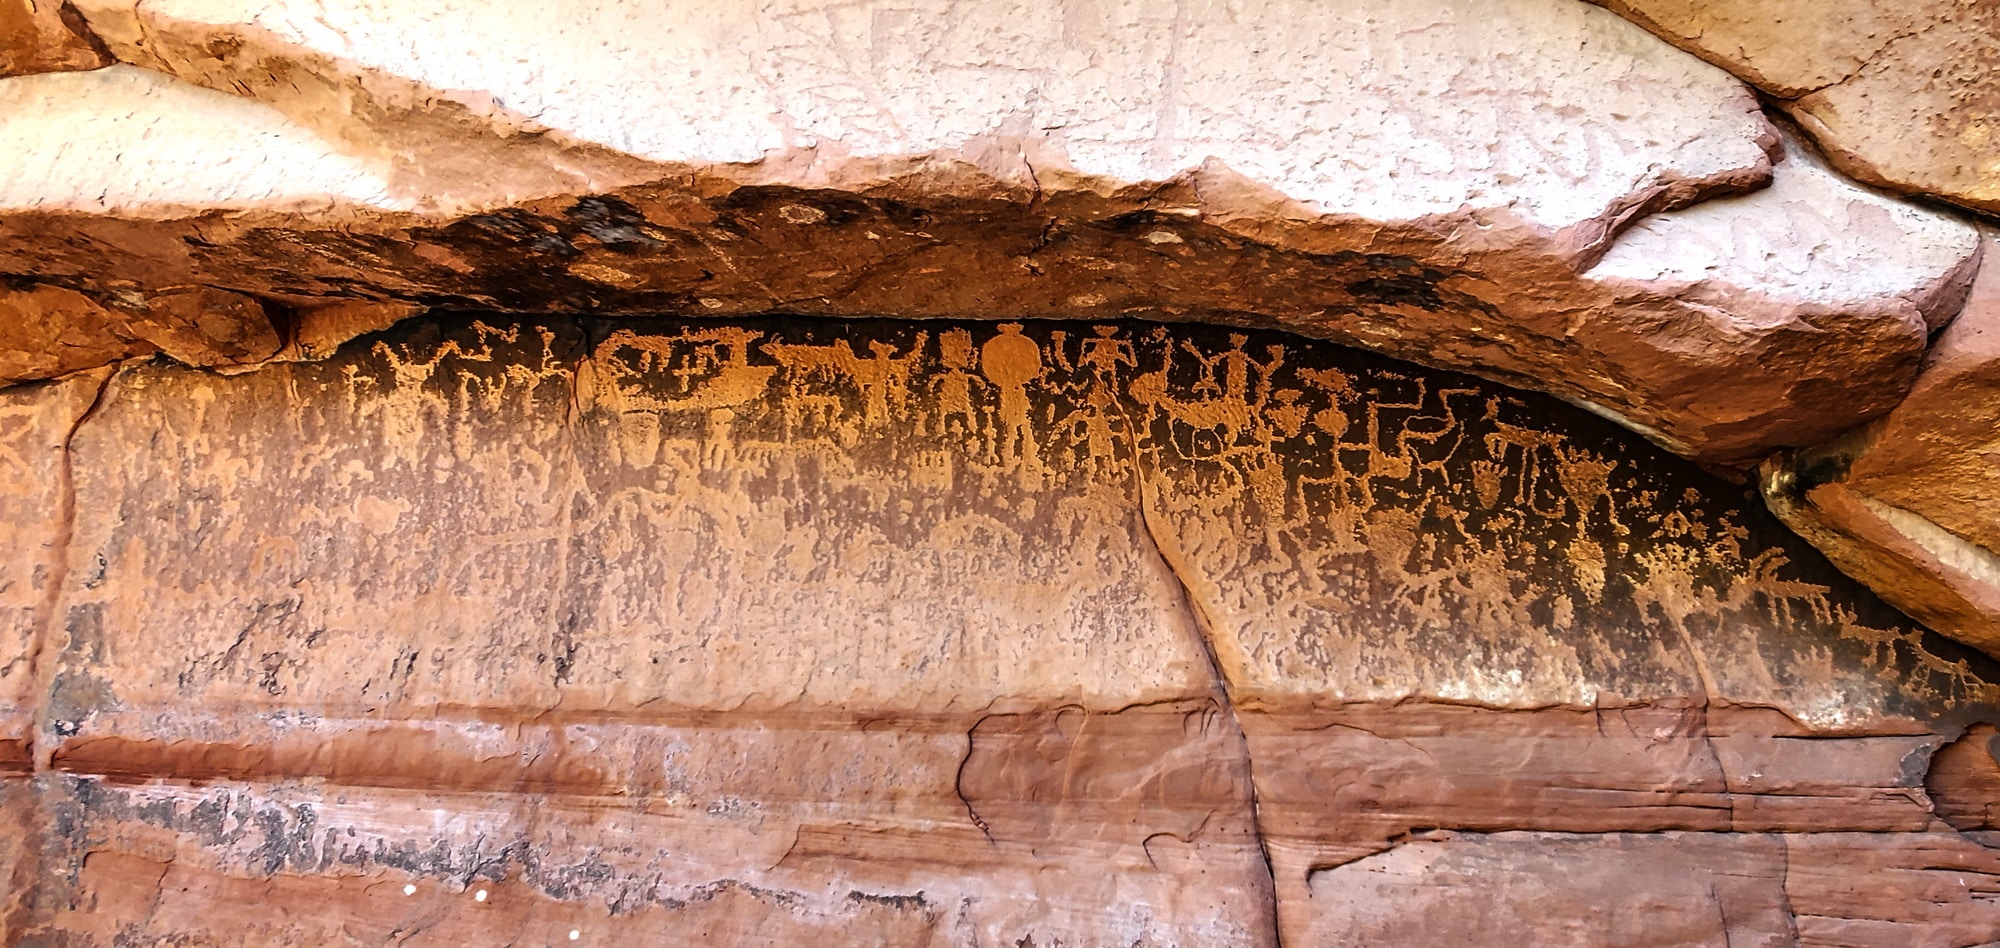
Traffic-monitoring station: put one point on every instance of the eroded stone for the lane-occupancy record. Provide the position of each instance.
(49, 331)
(951, 633)
(1906, 503)
(1028, 163)
(36, 422)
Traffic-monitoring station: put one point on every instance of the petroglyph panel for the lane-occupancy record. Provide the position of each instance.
(738, 605)
(784, 515)
(951, 633)
(1364, 531)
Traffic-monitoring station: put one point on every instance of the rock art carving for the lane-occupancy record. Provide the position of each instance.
(1593, 214)
(943, 633)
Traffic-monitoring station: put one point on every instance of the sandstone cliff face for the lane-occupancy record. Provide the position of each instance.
(458, 486)
(1481, 187)
(943, 633)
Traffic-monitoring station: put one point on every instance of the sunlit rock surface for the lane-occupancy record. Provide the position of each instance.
(1902, 95)
(934, 632)
(1478, 186)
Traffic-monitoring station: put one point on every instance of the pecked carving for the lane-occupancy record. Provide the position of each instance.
(814, 615)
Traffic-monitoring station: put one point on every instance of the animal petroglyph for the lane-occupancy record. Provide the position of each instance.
(703, 496)
(1368, 528)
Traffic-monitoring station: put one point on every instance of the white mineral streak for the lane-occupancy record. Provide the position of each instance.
(1812, 235)
(122, 140)
(1379, 109)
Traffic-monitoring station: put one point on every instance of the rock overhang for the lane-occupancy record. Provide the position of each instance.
(1553, 210)
(956, 628)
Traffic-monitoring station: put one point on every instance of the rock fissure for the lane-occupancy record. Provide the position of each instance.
(42, 664)
(958, 782)
(1200, 624)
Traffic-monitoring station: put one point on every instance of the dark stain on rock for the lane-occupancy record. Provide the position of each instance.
(614, 223)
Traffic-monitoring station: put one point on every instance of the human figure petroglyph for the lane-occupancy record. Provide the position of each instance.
(1103, 355)
(952, 387)
(1235, 365)
(1091, 428)
(1325, 468)
(1012, 362)
(1505, 438)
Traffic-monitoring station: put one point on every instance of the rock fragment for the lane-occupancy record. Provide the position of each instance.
(46, 36)
(50, 331)
(1906, 503)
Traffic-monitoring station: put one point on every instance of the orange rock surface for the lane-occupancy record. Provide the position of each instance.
(937, 633)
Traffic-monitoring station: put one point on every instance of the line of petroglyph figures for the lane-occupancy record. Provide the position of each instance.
(1221, 405)
(987, 390)
(1332, 455)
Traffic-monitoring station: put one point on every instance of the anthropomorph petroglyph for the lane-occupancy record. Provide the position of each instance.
(1379, 506)
(1012, 362)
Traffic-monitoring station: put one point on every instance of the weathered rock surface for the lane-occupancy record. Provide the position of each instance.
(46, 36)
(942, 633)
(48, 331)
(1907, 502)
(1903, 95)
(1448, 185)
(35, 426)
(680, 622)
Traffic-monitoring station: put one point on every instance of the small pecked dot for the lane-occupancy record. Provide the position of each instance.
(574, 934)
(409, 890)
(479, 896)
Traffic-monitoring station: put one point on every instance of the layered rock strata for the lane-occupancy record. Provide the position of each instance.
(1287, 165)
(943, 633)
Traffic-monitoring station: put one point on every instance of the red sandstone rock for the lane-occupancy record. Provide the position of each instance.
(1907, 503)
(36, 423)
(47, 331)
(617, 629)
(949, 633)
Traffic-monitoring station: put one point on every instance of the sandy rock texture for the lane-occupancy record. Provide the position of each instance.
(1901, 95)
(934, 632)
(1906, 503)
(1533, 190)
(47, 331)
(46, 36)
(458, 484)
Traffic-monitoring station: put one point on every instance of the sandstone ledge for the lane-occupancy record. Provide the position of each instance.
(1901, 95)
(1482, 232)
